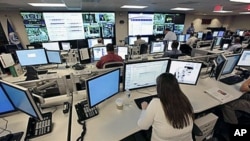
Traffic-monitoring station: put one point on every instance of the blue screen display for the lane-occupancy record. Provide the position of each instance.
(5, 104)
(54, 56)
(32, 57)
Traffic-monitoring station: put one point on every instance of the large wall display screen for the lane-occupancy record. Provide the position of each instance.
(98, 24)
(35, 26)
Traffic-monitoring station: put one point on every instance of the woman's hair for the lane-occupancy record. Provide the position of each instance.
(176, 105)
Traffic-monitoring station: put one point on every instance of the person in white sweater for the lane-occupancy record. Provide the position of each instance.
(170, 115)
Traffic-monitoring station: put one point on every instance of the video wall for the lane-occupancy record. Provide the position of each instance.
(154, 23)
(60, 26)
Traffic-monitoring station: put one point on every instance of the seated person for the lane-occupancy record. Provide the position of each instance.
(99, 43)
(174, 50)
(191, 40)
(168, 121)
(209, 36)
(139, 41)
(110, 57)
(242, 104)
(235, 46)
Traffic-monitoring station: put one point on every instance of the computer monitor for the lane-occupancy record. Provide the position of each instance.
(199, 35)
(22, 99)
(181, 38)
(98, 52)
(218, 40)
(187, 36)
(244, 60)
(215, 33)
(241, 33)
(143, 74)
(170, 45)
(220, 33)
(54, 57)
(65, 45)
(51, 46)
(186, 72)
(225, 46)
(107, 41)
(225, 41)
(157, 47)
(232, 61)
(122, 51)
(32, 57)
(99, 90)
(220, 63)
(5, 104)
(132, 39)
(92, 42)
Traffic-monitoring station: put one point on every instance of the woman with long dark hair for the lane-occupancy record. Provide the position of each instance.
(170, 115)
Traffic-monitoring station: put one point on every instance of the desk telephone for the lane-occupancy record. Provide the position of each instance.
(78, 66)
(84, 112)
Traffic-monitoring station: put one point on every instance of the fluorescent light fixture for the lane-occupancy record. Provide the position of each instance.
(182, 9)
(47, 4)
(242, 1)
(223, 11)
(134, 6)
(244, 13)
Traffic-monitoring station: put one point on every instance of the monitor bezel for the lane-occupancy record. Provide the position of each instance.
(191, 61)
(151, 47)
(240, 65)
(91, 41)
(42, 49)
(139, 62)
(219, 67)
(58, 51)
(94, 58)
(27, 95)
(96, 77)
(236, 62)
(61, 43)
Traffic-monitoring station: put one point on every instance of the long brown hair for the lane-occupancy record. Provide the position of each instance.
(176, 105)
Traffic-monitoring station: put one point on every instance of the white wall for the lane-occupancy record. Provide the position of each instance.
(230, 22)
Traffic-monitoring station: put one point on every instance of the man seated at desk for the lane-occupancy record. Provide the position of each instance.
(237, 45)
(139, 41)
(110, 57)
(191, 40)
(174, 50)
(99, 43)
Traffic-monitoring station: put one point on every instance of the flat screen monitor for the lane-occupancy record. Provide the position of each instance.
(133, 39)
(170, 45)
(225, 46)
(143, 74)
(241, 33)
(218, 40)
(21, 99)
(107, 41)
(181, 38)
(244, 60)
(98, 52)
(122, 51)
(225, 41)
(215, 33)
(105, 90)
(220, 33)
(187, 36)
(65, 46)
(92, 42)
(186, 72)
(51, 46)
(157, 47)
(32, 57)
(5, 104)
(220, 63)
(199, 35)
(54, 57)
(232, 61)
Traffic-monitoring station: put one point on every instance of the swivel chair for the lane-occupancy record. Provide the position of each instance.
(113, 64)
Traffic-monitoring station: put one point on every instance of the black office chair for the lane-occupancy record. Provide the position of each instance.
(186, 49)
(238, 50)
(113, 64)
(176, 56)
(143, 48)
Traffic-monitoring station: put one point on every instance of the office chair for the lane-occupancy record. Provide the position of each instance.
(238, 50)
(176, 56)
(113, 64)
(143, 48)
(186, 49)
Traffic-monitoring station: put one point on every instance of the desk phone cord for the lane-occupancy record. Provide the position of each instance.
(84, 130)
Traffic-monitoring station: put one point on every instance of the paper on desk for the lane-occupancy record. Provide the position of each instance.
(84, 54)
(6, 60)
(219, 94)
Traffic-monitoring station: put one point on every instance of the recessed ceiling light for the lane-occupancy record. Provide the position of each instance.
(222, 11)
(243, 1)
(134, 6)
(182, 9)
(244, 13)
(47, 4)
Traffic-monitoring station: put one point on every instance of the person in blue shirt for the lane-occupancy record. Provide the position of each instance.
(191, 29)
(209, 36)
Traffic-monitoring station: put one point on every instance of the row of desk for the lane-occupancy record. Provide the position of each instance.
(112, 124)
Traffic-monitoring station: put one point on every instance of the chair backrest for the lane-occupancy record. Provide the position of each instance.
(186, 49)
(113, 64)
(143, 48)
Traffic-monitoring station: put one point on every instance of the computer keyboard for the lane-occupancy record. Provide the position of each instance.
(84, 112)
(232, 80)
(138, 101)
(39, 127)
(12, 137)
